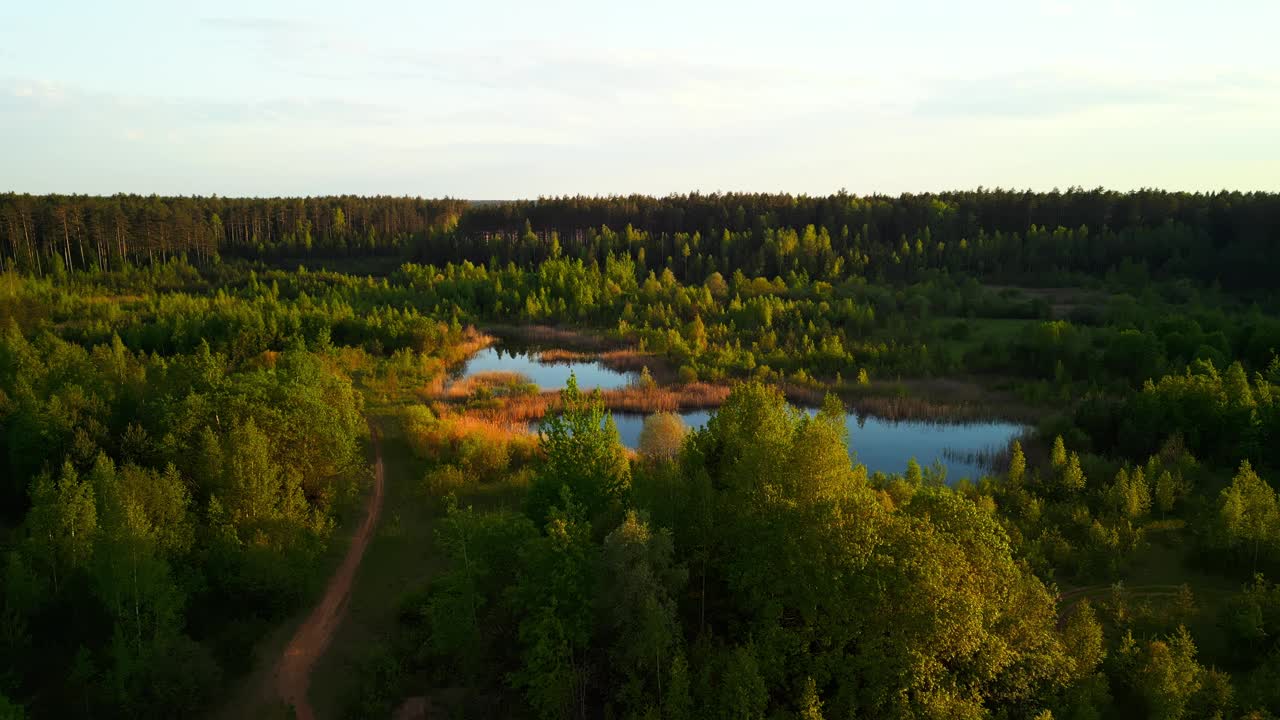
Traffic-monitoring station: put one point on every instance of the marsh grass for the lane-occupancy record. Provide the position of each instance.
(518, 410)
(491, 383)
(560, 355)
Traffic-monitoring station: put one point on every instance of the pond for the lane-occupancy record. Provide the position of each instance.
(886, 445)
(590, 374)
(882, 445)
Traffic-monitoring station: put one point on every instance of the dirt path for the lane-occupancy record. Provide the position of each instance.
(293, 672)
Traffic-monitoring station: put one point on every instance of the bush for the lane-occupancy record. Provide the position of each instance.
(442, 480)
(481, 458)
(662, 435)
(418, 422)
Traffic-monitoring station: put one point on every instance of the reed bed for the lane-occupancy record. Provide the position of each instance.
(473, 341)
(560, 355)
(632, 360)
(693, 396)
(494, 381)
(440, 434)
(623, 360)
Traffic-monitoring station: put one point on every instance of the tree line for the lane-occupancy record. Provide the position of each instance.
(57, 233)
(1226, 237)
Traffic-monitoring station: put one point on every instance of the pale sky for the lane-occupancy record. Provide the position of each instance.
(495, 100)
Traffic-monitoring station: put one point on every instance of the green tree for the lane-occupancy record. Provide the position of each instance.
(582, 452)
(553, 595)
(1248, 511)
(1017, 463)
(1072, 476)
(465, 598)
(1169, 676)
(677, 704)
(62, 522)
(1168, 490)
(810, 704)
(742, 693)
(1058, 454)
(640, 582)
(1083, 638)
(662, 435)
(253, 477)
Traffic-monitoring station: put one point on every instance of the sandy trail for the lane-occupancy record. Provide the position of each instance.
(293, 672)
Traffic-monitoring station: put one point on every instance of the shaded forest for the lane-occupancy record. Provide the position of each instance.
(1229, 238)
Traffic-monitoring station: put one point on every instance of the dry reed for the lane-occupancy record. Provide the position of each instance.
(559, 355)
(693, 396)
(488, 380)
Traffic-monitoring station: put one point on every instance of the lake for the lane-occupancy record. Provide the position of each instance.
(886, 445)
(882, 445)
(590, 375)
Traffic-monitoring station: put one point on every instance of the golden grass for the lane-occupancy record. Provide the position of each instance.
(490, 380)
(526, 408)
(632, 360)
(559, 355)
(443, 437)
(473, 341)
(623, 360)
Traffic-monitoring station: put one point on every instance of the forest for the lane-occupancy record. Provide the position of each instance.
(195, 393)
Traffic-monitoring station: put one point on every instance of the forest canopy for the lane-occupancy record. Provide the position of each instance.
(190, 388)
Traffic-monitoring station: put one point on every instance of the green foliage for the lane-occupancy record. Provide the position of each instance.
(583, 454)
(167, 496)
(1058, 455)
(641, 582)
(1072, 476)
(1083, 638)
(179, 437)
(10, 710)
(1249, 513)
(553, 598)
(810, 704)
(1017, 463)
(1167, 676)
(662, 436)
(739, 690)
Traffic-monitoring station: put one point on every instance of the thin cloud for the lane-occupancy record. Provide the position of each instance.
(1051, 93)
(258, 24)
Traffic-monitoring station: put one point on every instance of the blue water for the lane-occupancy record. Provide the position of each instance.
(882, 445)
(546, 376)
(886, 445)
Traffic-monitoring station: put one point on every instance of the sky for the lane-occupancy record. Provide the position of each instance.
(500, 100)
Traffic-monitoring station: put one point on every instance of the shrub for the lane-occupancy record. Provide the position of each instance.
(442, 480)
(482, 458)
(662, 435)
(418, 424)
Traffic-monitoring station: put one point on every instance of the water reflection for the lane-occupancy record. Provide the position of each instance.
(886, 445)
(590, 374)
(882, 445)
